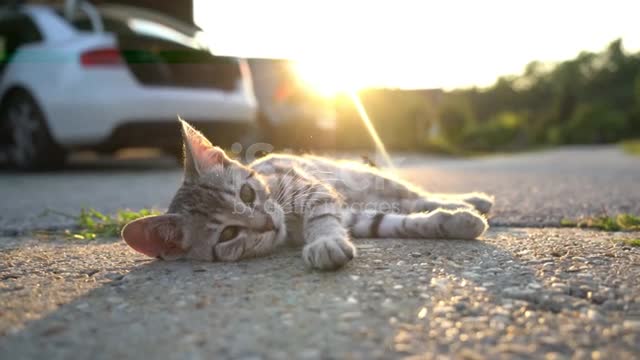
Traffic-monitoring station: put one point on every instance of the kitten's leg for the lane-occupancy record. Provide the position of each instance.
(326, 240)
(480, 201)
(327, 243)
(373, 186)
(438, 224)
(428, 202)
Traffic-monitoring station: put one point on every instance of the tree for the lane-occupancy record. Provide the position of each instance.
(455, 117)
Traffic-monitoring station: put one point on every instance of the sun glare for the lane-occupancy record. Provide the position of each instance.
(325, 78)
(413, 44)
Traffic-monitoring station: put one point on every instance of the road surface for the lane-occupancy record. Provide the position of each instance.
(531, 189)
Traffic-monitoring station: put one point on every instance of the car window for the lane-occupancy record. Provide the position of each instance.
(161, 31)
(140, 27)
(16, 31)
(140, 22)
(110, 25)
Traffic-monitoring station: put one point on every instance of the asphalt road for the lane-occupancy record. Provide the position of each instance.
(520, 292)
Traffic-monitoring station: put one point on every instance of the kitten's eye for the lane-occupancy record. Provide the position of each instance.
(247, 194)
(229, 233)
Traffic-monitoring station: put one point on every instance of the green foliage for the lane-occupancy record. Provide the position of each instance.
(628, 222)
(621, 222)
(632, 242)
(595, 124)
(455, 117)
(504, 130)
(631, 147)
(636, 90)
(93, 224)
(555, 135)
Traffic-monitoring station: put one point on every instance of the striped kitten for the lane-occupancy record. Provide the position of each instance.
(225, 211)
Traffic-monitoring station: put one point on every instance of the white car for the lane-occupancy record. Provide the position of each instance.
(108, 77)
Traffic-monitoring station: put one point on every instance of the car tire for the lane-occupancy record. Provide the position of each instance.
(176, 153)
(265, 130)
(30, 145)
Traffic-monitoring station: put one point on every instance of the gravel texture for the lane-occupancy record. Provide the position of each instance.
(531, 189)
(523, 293)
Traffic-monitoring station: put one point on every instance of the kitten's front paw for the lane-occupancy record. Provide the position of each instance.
(328, 253)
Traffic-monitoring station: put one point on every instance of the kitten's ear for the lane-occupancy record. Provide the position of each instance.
(199, 155)
(156, 235)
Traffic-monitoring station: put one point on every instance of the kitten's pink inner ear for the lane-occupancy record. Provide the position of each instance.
(207, 158)
(155, 235)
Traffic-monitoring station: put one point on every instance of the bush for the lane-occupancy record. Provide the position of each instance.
(455, 118)
(634, 123)
(555, 135)
(501, 131)
(595, 124)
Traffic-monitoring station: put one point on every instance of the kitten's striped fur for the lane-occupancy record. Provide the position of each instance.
(313, 202)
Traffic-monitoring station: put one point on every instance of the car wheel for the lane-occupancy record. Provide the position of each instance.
(176, 153)
(30, 144)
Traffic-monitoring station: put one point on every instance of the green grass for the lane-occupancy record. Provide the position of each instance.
(621, 222)
(92, 224)
(632, 242)
(631, 147)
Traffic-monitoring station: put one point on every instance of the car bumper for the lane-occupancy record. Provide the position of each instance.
(165, 135)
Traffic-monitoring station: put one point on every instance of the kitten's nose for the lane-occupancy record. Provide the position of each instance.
(269, 225)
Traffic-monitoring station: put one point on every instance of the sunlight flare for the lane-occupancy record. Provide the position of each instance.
(382, 151)
(415, 44)
(326, 79)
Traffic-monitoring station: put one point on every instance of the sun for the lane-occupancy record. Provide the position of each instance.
(327, 78)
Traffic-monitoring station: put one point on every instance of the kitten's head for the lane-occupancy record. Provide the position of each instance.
(222, 211)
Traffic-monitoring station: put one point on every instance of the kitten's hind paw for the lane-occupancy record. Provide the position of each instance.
(463, 224)
(328, 253)
(480, 201)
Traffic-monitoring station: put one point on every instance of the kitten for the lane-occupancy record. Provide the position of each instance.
(225, 211)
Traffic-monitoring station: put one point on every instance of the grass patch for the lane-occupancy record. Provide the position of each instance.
(632, 242)
(621, 222)
(631, 147)
(92, 224)
(568, 223)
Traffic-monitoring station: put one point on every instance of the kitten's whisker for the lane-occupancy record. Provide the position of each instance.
(300, 196)
(310, 194)
(285, 186)
(293, 181)
(313, 172)
(279, 197)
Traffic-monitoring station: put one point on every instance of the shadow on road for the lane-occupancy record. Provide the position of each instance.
(398, 297)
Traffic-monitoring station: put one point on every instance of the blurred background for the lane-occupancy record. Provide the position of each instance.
(459, 77)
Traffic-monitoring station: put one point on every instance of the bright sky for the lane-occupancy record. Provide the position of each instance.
(416, 44)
